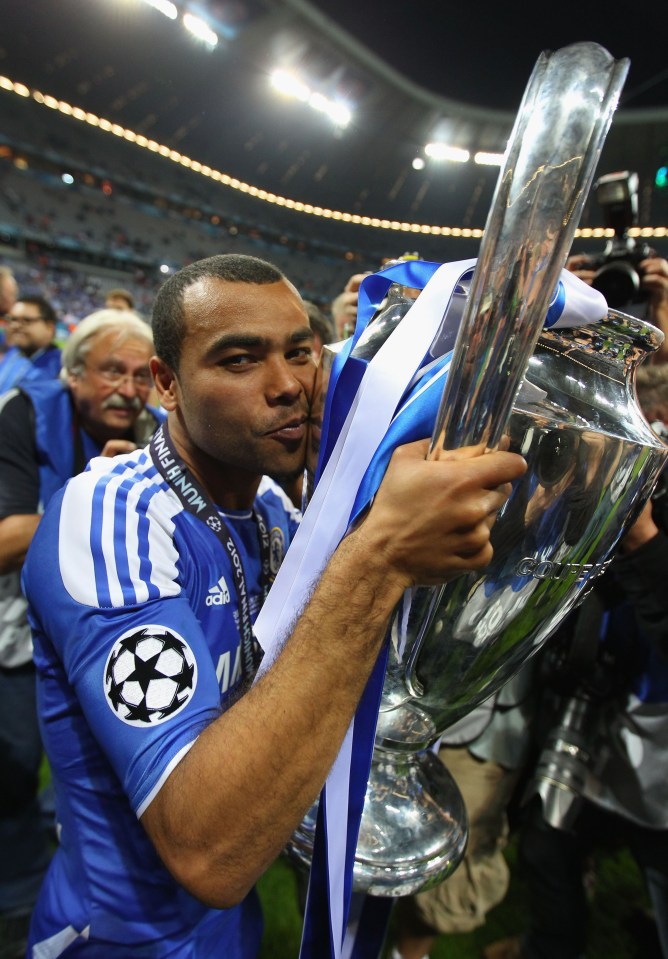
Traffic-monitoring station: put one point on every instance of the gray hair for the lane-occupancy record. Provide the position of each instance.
(127, 324)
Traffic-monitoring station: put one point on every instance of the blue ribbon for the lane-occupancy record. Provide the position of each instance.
(415, 420)
(347, 372)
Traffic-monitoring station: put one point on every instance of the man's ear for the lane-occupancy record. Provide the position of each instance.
(165, 383)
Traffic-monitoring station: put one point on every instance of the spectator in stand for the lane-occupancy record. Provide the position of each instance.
(49, 429)
(8, 293)
(33, 353)
(119, 299)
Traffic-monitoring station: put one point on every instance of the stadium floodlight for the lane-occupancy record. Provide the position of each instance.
(200, 29)
(488, 159)
(165, 7)
(441, 151)
(292, 86)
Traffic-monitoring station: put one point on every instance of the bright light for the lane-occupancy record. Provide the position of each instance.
(488, 159)
(292, 86)
(340, 114)
(441, 151)
(199, 29)
(164, 268)
(165, 7)
(67, 178)
(418, 163)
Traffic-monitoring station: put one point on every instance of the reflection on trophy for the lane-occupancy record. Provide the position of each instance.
(565, 399)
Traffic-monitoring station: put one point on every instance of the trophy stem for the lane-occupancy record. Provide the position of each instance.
(413, 830)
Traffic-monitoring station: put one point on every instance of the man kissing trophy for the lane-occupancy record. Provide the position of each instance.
(540, 365)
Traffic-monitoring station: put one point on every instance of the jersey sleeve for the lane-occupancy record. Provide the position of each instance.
(113, 624)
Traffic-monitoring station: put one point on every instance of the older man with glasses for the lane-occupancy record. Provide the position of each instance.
(49, 430)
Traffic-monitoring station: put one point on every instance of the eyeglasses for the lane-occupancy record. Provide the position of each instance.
(115, 375)
(24, 320)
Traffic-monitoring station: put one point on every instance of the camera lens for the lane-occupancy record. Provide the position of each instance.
(619, 282)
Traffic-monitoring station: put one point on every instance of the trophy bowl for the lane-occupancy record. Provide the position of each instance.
(592, 463)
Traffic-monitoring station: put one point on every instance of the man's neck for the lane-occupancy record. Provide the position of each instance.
(228, 487)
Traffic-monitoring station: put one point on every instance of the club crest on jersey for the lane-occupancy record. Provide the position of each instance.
(276, 549)
(150, 675)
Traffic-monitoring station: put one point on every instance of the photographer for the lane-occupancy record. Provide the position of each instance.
(631, 275)
(653, 287)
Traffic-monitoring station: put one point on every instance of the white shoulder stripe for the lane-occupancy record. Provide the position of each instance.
(115, 537)
(268, 485)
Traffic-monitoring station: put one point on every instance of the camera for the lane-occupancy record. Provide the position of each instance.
(618, 272)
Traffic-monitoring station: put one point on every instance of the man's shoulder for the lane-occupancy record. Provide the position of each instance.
(114, 533)
(43, 391)
(12, 401)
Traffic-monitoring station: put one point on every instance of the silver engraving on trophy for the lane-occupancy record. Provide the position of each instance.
(592, 461)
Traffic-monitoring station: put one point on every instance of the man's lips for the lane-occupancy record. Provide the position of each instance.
(294, 429)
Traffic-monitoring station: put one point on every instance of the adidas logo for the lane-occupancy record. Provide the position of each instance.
(218, 594)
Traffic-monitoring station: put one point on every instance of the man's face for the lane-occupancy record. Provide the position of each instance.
(28, 331)
(114, 386)
(8, 293)
(244, 384)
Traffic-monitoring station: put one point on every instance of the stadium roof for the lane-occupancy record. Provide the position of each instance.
(410, 72)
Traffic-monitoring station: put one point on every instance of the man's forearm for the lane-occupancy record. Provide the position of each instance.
(229, 807)
(252, 791)
(16, 533)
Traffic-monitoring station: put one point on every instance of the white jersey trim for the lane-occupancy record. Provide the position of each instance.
(56, 945)
(268, 485)
(166, 773)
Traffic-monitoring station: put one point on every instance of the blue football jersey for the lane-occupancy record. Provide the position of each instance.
(135, 621)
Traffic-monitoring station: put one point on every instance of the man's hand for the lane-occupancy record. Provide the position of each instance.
(344, 307)
(114, 447)
(581, 266)
(655, 284)
(431, 520)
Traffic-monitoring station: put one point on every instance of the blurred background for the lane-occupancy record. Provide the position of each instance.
(138, 135)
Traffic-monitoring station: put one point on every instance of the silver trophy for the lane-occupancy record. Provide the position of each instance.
(565, 399)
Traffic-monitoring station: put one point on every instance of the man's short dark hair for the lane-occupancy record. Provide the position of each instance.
(118, 293)
(168, 317)
(321, 325)
(47, 312)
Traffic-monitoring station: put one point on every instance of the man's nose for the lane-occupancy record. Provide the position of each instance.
(283, 382)
(127, 386)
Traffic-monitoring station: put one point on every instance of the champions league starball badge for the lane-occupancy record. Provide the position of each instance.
(150, 675)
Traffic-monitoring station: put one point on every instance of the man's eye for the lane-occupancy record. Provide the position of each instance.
(238, 360)
(302, 353)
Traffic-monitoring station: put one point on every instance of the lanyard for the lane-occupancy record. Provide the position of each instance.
(193, 498)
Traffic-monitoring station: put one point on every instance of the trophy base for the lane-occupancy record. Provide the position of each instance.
(413, 831)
